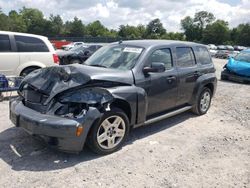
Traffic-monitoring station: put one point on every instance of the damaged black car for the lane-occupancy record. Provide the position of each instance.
(122, 86)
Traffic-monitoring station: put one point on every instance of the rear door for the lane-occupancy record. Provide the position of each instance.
(9, 58)
(187, 72)
(33, 50)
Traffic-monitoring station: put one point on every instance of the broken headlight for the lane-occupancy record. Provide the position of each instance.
(72, 110)
(76, 102)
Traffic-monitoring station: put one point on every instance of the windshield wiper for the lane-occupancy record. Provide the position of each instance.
(97, 65)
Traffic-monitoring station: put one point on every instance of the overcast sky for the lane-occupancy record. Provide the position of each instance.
(113, 13)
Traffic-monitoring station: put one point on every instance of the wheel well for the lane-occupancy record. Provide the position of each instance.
(211, 87)
(35, 67)
(124, 106)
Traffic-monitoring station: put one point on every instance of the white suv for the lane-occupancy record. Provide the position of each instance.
(22, 53)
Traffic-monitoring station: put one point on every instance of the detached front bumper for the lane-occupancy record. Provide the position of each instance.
(57, 131)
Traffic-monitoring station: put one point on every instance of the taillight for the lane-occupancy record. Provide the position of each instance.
(56, 58)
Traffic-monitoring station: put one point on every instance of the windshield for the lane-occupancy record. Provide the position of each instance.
(118, 56)
(243, 56)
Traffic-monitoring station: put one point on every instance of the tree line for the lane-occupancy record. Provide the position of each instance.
(202, 27)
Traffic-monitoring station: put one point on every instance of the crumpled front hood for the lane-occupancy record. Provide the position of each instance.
(54, 80)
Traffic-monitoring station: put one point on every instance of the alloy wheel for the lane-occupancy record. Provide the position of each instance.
(111, 132)
(205, 101)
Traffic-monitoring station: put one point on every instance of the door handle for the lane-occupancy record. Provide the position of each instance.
(170, 79)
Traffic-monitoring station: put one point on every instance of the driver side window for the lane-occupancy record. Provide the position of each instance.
(162, 56)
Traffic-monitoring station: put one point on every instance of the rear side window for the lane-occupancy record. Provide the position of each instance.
(5, 43)
(203, 55)
(163, 56)
(185, 57)
(30, 44)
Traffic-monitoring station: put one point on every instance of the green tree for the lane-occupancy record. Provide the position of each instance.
(155, 29)
(4, 21)
(16, 21)
(129, 32)
(142, 31)
(112, 33)
(193, 27)
(216, 33)
(203, 18)
(174, 36)
(54, 26)
(96, 29)
(75, 28)
(34, 20)
(234, 35)
(191, 30)
(243, 34)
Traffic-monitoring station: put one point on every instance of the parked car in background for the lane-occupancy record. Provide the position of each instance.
(212, 46)
(225, 52)
(221, 47)
(239, 48)
(238, 68)
(212, 49)
(72, 45)
(121, 86)
(78, 54)
(21, 53)
(229, 47)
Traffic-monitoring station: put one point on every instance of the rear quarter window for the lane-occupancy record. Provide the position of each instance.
(185, 57)
(5, 43)
(30, 44)
(203, 55)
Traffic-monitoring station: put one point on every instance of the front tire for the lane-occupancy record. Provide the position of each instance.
(203, 103)
(109, 134)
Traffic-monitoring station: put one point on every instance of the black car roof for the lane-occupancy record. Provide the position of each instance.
(154, 43)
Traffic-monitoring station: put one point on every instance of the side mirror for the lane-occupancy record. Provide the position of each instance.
(155, 67)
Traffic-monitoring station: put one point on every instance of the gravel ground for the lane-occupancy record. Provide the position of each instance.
(184, 151)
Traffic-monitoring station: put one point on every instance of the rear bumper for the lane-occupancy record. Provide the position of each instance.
(58, 132)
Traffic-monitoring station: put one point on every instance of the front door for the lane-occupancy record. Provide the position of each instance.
(161, 87)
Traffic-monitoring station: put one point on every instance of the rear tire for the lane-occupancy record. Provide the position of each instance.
(108, 135)
(203, 103)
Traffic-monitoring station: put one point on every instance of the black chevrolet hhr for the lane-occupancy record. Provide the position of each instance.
(121, 86)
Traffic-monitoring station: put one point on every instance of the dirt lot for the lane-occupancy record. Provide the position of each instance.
(184, 151)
